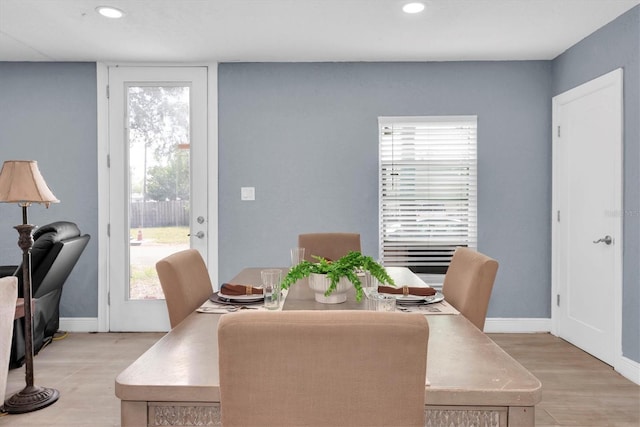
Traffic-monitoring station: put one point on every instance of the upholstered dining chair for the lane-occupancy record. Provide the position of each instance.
(8, 296)
(331, 246)
(322, 368)
(185, 282)
(468, 283)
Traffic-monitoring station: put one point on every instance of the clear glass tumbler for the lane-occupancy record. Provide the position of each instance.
(297, 255)
(370, 289)
(271, 279)
(385, 302)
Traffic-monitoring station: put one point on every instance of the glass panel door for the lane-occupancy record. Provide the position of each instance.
(157, 149)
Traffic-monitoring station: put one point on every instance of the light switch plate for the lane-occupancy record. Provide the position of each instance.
(247, 193)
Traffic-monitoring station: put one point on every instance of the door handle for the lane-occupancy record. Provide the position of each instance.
(199, 234)
(607, 240)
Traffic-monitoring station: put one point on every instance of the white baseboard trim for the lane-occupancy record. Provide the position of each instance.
(517, 325)
(628, 369)
(79, 324)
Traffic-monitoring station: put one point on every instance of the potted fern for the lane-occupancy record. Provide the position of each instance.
(331, 280)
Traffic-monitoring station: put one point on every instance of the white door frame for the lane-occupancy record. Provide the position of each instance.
(613, 77)
(103, 183)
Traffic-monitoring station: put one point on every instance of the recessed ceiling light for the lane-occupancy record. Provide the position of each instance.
(110, 12)
(413, 7)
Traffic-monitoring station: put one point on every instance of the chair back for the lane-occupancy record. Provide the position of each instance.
(8, 296)
(331, 246)
(185, 282)
(56, 250)
(468, 283)
(322, 368)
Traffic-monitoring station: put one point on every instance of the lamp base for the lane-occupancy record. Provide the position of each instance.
(31, 398)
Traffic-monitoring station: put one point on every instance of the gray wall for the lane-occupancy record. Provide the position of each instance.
(305, 135)
(48, 114)
(613, 46)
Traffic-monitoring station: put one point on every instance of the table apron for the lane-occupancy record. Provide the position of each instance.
(188, 414)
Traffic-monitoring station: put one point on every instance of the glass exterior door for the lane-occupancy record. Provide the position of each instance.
(158, 137)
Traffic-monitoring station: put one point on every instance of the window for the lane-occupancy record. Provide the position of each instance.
(428, 190)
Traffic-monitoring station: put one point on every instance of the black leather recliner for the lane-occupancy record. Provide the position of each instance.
(56, 250)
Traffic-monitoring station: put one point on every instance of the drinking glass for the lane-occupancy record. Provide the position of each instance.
(271, 287)
(369, 284)
(370, 289)
(385, 302)
(297, 255)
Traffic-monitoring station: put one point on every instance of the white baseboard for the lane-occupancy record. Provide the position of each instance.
(515, 325)
(628, 369)
(79, 324)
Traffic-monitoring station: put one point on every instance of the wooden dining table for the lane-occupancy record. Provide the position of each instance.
(470, 379)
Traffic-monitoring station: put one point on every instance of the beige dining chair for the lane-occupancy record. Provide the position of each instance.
(331, 246)
(8, 297)
(185, 282)
(322, 368)
(468, 283)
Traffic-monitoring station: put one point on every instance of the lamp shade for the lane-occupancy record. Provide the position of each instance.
(21, 182)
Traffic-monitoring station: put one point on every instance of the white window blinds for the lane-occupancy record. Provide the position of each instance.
(428, 190)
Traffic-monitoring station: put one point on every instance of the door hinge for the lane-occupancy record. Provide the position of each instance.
(108, 161)
(558, 131)
(558, 300)
(108, 92)
(108, 298)
(558, 216)
(108, 230)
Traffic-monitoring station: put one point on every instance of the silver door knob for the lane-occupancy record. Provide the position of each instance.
(607, 240)
(199, 234)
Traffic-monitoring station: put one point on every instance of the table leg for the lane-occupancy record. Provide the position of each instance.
(133, 414)
(522, 416)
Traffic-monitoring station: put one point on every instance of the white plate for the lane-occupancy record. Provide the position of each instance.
(217, 299)
(242, 298)
(417, 299)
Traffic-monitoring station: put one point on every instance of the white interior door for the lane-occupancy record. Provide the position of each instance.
(158, 164)
(587, 147)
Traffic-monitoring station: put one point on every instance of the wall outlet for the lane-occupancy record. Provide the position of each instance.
(247, 193)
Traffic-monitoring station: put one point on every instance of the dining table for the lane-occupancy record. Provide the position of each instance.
(470, 380)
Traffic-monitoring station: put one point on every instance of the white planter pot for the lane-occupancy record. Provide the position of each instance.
(319, 283)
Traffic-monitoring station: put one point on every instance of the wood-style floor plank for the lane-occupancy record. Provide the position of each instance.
(578, 390)
(83, 367)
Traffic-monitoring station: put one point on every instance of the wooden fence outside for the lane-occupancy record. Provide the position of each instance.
(159, 214)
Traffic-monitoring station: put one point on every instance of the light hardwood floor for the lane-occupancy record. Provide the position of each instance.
(578, 390)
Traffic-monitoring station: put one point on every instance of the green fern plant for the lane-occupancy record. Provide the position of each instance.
(348, 266)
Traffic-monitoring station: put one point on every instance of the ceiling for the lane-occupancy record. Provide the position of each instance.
(195, 31)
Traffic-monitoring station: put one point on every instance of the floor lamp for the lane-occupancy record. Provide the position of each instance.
(22, 183)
